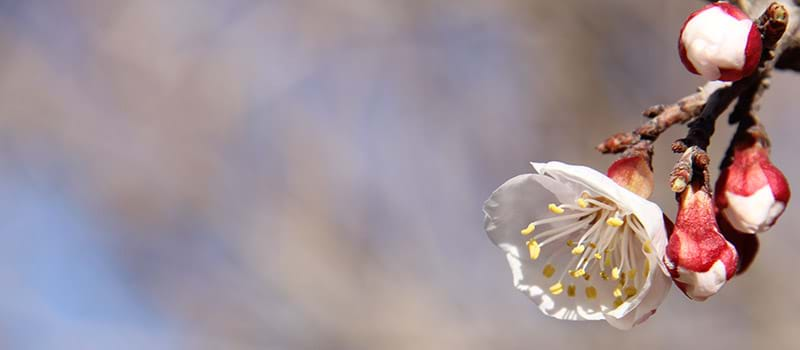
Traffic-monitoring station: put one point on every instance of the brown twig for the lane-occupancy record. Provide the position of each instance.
(661, 118)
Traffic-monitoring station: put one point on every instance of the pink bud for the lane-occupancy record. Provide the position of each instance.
(751, 193)
(698, 257)
(720, 42)
(634, 174)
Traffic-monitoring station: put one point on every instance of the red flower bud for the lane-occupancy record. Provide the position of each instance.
(720, 42)
(751, 193)
(634, 174)
(698, 257)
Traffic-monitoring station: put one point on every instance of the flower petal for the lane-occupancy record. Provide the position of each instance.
(513, 205)
(528, 278)
(653, 296)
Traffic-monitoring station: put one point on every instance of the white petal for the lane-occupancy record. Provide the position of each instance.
(753, 213)
(513, 205)
(652, 298)
(580, 176)
(528, 278)
(508, 210)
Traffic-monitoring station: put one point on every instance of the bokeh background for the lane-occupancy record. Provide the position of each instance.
(299, 174)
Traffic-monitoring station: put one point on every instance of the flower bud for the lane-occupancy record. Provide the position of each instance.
(751, 193)
(698, 257)
(720, 42)
(634, 174)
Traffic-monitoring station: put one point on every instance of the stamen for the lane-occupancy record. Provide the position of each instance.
(599, 204)
(555, 209)
(570, 243)
(630, 291)
(617, 292)
(646, 247)
(558, 232)
(548, 270)
(571, 290)
(603, 275)
(557, 288)
(566, 217)
(615, 273)
(534, 249)
(578, 250)
(594, 229)
(578, 273)
(587, 277)
(631, 275)
(598, 256)
(614, 221)
(591, 293)
(582, 203)
(529, 229)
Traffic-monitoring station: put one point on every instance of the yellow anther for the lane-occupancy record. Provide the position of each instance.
(603, 275)
(630, 291)
(591, 293)
(592, 245)
(571, 290)
(617, 292)
(534, 249)
(528, 230)
(631, 275)
(578, 250)
(548, 270)
(587, 276)
(578, 273)
(647, 248)
(618, 302)
(622, 278)
(607, 263)
(557, 288)
(555, 209)
(614, 221)
(615, 273)
(570, 243)
(582, 203)
(598, 256)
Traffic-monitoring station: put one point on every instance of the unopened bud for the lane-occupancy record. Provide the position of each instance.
(634, 174)
(698, 257)
(720, 42)
(751, 193)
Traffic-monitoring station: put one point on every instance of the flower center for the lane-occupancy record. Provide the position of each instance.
(600, 241)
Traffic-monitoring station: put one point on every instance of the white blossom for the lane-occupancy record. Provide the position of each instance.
(595, 254)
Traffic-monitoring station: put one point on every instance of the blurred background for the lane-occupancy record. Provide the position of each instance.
(299, 174)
